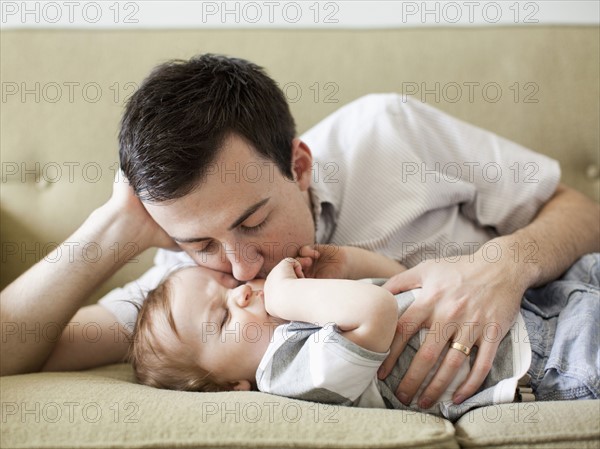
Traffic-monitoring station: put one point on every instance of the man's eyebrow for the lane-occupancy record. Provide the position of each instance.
(236, 223)
(248, 212)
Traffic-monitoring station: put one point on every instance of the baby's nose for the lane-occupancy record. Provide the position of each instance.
(244, 295)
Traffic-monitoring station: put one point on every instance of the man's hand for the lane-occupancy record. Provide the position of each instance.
(471, 301)
(149, 233)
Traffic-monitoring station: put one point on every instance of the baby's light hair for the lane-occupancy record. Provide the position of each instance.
(159, 357)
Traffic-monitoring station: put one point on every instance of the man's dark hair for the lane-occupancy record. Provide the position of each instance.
(176, 122)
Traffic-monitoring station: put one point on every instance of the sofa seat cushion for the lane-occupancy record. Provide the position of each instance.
(564, 424)
(104, 408)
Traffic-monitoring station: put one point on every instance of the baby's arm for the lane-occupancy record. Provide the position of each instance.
(364, 313)
(346, 262)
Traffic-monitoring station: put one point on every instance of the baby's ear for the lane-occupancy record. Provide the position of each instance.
(242, 385)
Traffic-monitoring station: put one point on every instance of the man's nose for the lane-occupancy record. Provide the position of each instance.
(244, 271)
(246, 261)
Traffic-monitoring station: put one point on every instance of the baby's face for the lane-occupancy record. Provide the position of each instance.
(228, 329)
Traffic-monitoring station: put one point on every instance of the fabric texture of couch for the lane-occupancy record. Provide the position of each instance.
(63, 93)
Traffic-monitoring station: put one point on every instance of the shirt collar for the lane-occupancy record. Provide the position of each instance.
(323, 214)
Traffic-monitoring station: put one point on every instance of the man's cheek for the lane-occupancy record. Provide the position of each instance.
(228, 280)
(270, 250)
(203, 258)
(268, 265)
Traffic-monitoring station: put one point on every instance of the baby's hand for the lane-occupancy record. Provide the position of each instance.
(275, 285)
(288, 268)
(296, 265)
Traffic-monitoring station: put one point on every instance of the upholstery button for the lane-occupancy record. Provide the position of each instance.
(43, 184)
(592, 172)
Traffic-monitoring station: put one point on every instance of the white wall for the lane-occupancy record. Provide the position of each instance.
(294, 14)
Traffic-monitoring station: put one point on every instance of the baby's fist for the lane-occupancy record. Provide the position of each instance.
(288, 268)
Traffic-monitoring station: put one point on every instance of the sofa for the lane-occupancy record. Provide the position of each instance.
(62, 97)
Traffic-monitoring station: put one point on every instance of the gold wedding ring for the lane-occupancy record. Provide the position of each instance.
(462, 348)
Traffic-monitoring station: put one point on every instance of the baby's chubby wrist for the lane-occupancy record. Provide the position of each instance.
(278, 282)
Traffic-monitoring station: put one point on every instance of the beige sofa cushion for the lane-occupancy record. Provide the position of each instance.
(103, 408)
(564, 424)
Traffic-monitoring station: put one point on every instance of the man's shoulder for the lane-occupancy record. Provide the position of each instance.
(365, 107)
(374, 101)
(359, 127)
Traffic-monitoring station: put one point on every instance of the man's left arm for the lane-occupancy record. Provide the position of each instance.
(474, 301)
(566, 228)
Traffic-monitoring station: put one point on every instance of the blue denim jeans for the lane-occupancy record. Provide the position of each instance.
(563, 322)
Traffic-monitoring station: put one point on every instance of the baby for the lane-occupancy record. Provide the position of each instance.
(190, 309)
(324, 339)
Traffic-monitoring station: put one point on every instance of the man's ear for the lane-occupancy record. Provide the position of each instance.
(301, 163)
(242, 385)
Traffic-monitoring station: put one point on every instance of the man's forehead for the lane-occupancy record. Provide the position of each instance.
(238, 161)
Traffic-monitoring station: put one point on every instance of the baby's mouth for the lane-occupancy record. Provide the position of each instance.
(258, 294)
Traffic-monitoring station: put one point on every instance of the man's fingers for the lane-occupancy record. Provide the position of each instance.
(426, 357)
(480, 369)
(305, 262)
(308, 251)
(396, 348)
(408, 324)
(407, 280)
(446, 373)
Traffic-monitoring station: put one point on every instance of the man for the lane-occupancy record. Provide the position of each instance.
(210, 149)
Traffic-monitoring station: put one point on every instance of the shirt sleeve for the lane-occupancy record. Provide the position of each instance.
(317, 364)
(117, 301)
(509, 182)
